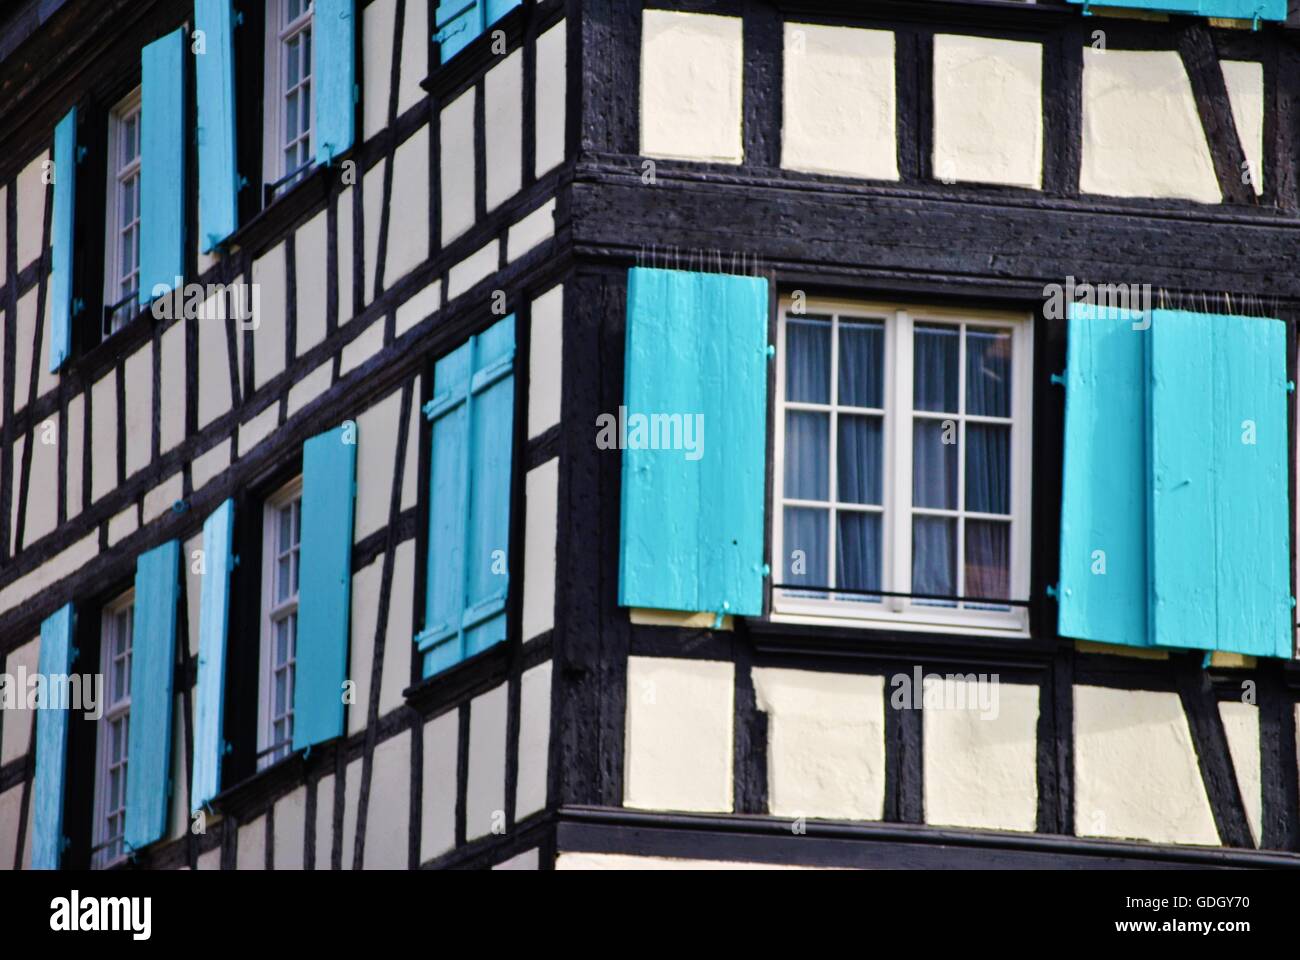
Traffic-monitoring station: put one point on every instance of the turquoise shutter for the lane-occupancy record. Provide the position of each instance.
(51, 746)
(692, 523)
(153, 669)
(472, 414)
(1229, 9)
(329, 463)
(65, 209)
(335, 78)
(215, 82)
(496, 9)
(1219, 542)
(162, 164)
(214, 619)
(1103, 565)
(459, 24)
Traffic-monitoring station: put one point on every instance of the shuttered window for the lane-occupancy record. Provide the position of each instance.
(65, 212)
(214, 621)
(461, 22)
(51, 746)
(1227, 9)
(216, 134)
(163, 135)
(472, 418)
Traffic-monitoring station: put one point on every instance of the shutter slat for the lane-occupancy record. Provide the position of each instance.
(692, 522)
(51, 746)
(334, 39)
(325, 584)
(214, 619)
(215, 82)
(153, 668)
(65, 209)
(163, 136)
(459, 23)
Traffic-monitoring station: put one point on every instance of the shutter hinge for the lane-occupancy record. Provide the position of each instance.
(356, 93)
(239, 18)
(1054, 590)
(1292, 601)
(243, 182)
(1205, 661)
(771, 350)
(78, 305)
(234, 561)
(1058, 378)
(81, 154)
(226, 747)
(73, 652)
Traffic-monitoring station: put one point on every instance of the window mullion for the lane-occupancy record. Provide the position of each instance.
(960, 547)
(832, 476)
(466, 527)
(901, 509)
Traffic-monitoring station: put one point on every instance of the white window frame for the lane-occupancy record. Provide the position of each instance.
(114, 216)
(896, 562)
(114, 709)
(268, 614)
(278, 34)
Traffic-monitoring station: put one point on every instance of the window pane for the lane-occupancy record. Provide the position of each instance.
(988, 468)
(286, 529)
(988, 559)
(988, 372)
(807, 455)
(805, 546)
(857, 551)
(934, 368)
(859, 459)
(280, 693)
(282, 641)
(934, 463)
(934, 545)
(808, 360)
(862, 350)
(282, 578)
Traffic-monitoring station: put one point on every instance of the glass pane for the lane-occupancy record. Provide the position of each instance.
(306, 55)
(934, 368)
(862, 369)
(988, 468)
(988, 559)
(808, 360)
(281, 641)
(859, 459)
(857, 551)
(286, 530)
(988, 372)
(119, 680)
(282, 578)
(805, 545)
(934, 545)
(934, 463)
(280, 694)
(291, 116)
(807, 455)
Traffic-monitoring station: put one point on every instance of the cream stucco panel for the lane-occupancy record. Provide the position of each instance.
(1241, 724)
(1245, 82)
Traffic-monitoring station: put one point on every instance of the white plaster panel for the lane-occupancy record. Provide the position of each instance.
(24, 341)
(103, 436)
(691, 73)
(43, 484)
(377, 63)
(122, 525)
(310, 251)
(290, 830)
(369, 342)
(310, 387)
(419, 307)
(456, 147)
(438, 817)
(171, 387)
(1135, 769)
(11, 807)
(415, 56)
(1142, 136)
(397, 638)
(324, 823)
(15, 474)
(398, 647)
(45, 380)
(550, 98)
(408, 225)
(485, 794)
(533, 229)
(346, 277)
(372, 220)
(678, 741)
(62, 564)
(1245, 82)
(213, 367)
(503, 103)
(826, 743)
(351, 799)
(988, 110)
(1241, 724)
(545, 361)
(411, 479)
(180, 775)
(534, 739)
(363, 616)
(838, 101)
(209, 859)
(254, 431)
(477, 266)
(138, 415)
(542, 490)
(159, 499)
(268, 337)
(30, 202)
(75, 447)
(250, 851)
(4, 239)
(528, 860)
(981, 757)
(17, 729)
(389, 811)
(209, 464)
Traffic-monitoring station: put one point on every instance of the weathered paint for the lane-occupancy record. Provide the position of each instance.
(216, 128)
(334, 74)
(163, 135)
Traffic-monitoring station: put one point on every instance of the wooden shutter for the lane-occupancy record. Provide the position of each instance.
(692, 529)
(214, 620)
(63, 230)
(472, 416)
(162, 164)
(153, 668)
(496, 9)
(1228, 9)
(459, 23)
(215, 80)
(329, 463)
(1218, 539)
(51, 746)
(335, 77)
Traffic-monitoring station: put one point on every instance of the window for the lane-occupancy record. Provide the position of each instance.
(122, 219)
(282, 534)
(111, 749)
(290, 104)
(902, 482)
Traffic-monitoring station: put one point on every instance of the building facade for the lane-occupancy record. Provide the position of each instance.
(648, 433)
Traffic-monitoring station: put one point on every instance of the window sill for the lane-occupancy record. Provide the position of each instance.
(906, 624)
(290, 206)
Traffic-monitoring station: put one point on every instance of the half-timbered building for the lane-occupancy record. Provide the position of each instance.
(558, 434)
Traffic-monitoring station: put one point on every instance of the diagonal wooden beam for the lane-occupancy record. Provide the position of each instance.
(1196, 47)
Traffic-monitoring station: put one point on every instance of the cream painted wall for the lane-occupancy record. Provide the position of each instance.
(838, 101)
(691, 69)
(825, 743)
(1241, 724)
(1142, 136)
(1135, 770)
(1245, 82)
